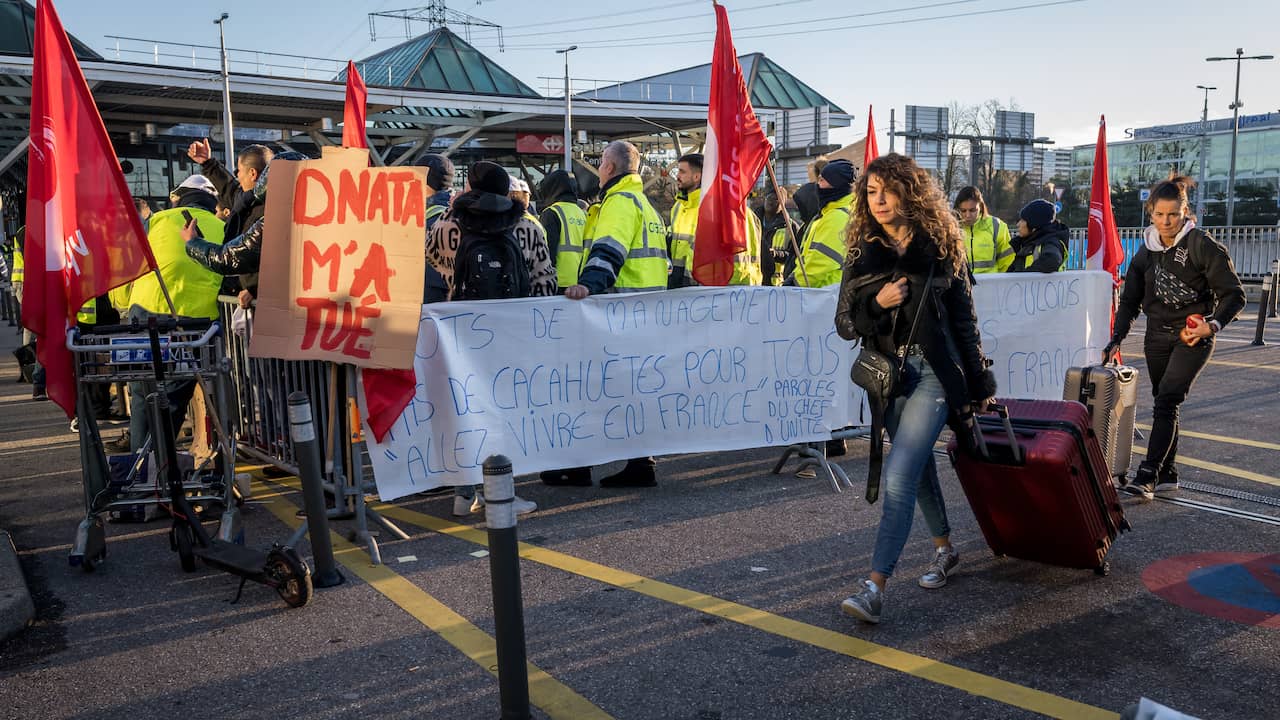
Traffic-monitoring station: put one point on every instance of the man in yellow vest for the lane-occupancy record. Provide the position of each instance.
(986, 238)
(193, 288)
(566, 226)
(823, 247)
(684, 228)
(628, 254)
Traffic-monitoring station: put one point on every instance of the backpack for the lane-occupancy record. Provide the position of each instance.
(490, 267)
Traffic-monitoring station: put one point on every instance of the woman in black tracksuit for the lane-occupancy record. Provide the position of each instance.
(1180, 272)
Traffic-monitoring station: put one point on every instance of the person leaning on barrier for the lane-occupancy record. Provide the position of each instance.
(628, 254)
(192, 287)
(240, 255)
(823, 247)
(440, 184)
(1041, 245)
(1185, 282)
(986, 238)
(905, 249)
(565, 224)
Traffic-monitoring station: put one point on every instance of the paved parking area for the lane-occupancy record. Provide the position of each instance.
(713, 596)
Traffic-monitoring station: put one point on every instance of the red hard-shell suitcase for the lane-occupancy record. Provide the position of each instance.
(1039, 485)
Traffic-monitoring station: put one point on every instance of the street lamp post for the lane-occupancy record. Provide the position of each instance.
(1235, 127)
(228, 135)
(1204, 140)
(568, 111)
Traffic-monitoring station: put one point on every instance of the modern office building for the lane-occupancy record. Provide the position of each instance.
(1154, 152)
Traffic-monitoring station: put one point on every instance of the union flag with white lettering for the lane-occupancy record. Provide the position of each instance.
(84, 236)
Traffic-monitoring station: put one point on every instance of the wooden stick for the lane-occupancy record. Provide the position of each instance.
(786, 219)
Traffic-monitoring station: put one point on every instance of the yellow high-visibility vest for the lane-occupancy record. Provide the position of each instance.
(570, 246)
(193, 287)
(626, 222)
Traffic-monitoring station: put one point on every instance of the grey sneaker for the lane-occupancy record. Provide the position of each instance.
(864, 604)
(944, 561)
(1167, 482)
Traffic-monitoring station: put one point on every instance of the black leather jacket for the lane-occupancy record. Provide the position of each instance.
(239, 256)
(948, 330)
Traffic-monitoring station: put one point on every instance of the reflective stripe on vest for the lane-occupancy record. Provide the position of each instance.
(571, 245)
(645, 266)
(88, 313)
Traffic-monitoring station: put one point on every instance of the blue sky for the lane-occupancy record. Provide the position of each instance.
(1138, 62)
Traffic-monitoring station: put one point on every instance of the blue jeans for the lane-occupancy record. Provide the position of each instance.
(913, 421)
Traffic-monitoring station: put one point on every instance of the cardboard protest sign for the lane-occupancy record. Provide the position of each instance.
(342, 262)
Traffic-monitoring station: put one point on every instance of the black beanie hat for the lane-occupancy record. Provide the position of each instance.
(439, 171)
(489, 177)
(839, 173)
(1037, 213)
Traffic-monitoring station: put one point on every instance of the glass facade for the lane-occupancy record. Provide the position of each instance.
(1135, 165)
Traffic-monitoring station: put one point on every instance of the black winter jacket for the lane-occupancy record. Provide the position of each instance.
(1201, 264)
(1041, 251)
(245, 207)
(948, 330)
(239, 255)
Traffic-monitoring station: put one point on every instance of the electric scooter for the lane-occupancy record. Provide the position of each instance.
(280, 568)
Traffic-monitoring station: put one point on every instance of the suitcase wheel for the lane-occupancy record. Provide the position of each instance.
(1103, 570)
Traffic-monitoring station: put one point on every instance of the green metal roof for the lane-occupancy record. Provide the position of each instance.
(439, 60)
(18, 27)
(769, 84)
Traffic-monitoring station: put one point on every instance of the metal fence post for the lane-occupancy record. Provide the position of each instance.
(1275, 283)
(1268, 289)
(307, 450)
(504, 574)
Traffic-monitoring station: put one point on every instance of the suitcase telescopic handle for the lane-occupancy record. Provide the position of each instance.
(1001, 411)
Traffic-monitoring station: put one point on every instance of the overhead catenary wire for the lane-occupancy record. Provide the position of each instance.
(811, 31)
(656, 21)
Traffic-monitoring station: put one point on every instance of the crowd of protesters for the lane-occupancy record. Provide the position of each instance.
(886, 235)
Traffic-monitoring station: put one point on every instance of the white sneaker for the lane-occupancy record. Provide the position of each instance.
(464, 506)
(807, 473)
(524, 507)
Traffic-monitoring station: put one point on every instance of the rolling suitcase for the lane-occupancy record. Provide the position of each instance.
(1111, 393)
(1039, 486)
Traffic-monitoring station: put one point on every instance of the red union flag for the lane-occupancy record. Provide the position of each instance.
(1104, 251)
(870, 150)
(353, 111)
(84, 236)
(736, 152)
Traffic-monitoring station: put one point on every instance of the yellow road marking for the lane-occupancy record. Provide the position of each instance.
(915, 665)
(1222, 469)
(1220, 438)
(554, 698)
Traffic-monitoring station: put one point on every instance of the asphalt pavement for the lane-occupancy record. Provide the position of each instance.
(711, 597)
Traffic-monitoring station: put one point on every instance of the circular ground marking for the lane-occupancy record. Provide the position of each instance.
(1240, 587)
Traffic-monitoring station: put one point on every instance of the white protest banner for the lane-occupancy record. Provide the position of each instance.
(1036, 326)
(554, 383)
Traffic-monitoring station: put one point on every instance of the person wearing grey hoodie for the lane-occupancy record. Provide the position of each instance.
(1185, 282)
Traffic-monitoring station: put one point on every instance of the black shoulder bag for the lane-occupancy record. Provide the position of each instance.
(881, 377)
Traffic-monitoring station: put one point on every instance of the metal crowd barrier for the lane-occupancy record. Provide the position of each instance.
(262, 387)
(1253, 248)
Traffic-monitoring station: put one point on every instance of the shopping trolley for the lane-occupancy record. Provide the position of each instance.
(190, 351)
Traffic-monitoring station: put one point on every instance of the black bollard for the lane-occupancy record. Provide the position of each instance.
(1268, 288)
(504, 574)
(305, 448)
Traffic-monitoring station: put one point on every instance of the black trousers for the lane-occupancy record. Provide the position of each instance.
(1173, 368)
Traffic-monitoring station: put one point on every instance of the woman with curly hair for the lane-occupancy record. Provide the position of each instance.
(905, 250)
